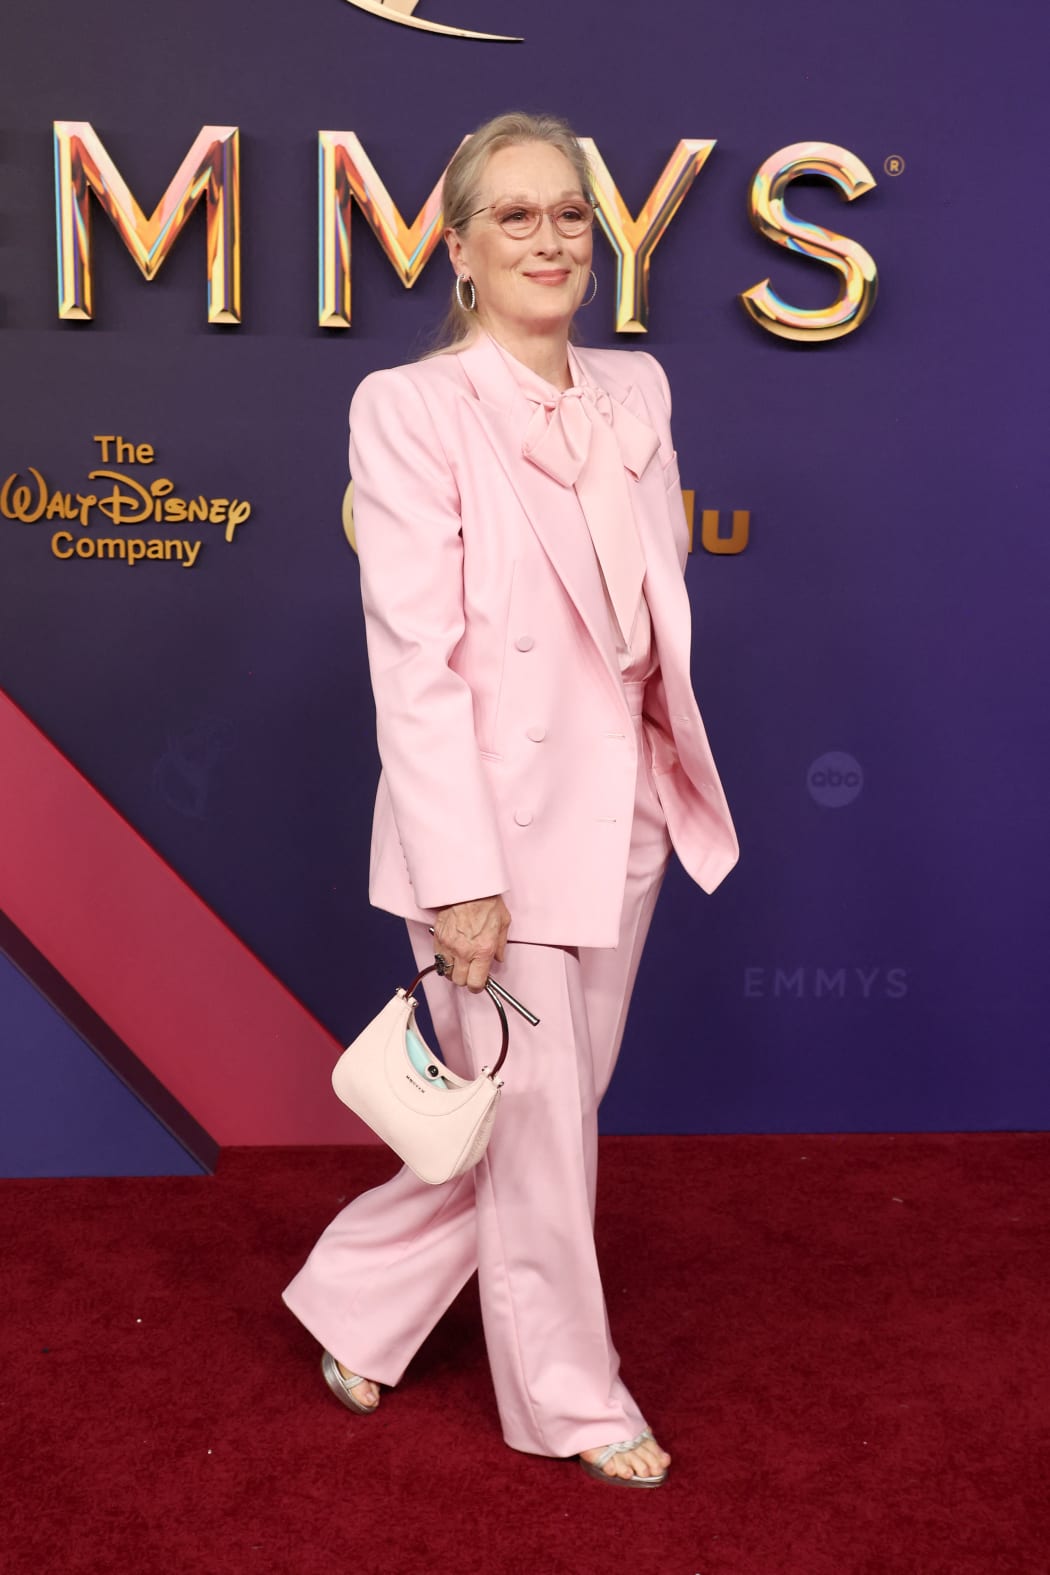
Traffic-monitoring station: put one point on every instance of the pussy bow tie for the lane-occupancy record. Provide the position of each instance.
(586, 440)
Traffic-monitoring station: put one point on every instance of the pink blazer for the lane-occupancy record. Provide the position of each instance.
(508, 754)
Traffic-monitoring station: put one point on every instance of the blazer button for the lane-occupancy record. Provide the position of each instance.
(537, 734)
(525, 642)
(522, 817)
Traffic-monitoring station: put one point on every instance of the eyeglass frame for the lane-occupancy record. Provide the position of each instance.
(588, 202)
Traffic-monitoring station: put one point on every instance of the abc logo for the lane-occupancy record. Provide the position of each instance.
(834, 779)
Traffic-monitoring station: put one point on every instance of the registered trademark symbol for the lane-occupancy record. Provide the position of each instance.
(894, 164)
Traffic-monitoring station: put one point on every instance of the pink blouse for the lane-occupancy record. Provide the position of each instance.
(637, 659)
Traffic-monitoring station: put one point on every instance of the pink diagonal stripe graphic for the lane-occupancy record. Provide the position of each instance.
(227, 1038)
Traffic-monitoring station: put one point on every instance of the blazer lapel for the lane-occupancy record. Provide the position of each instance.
(552, 510)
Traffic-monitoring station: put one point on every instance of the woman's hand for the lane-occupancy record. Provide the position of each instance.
(470, 935)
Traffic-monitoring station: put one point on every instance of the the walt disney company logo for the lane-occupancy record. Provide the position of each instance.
(123, 501)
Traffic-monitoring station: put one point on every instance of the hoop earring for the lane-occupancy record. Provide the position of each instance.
(594, 290)
(460, 280)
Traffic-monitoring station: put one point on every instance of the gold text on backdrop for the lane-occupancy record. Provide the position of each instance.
(348, 177)
(122, 501)
(769, 214)
(210, 169)
(634, 240)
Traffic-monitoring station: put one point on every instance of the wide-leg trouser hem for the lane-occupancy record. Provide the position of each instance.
(596, 1436)
(393, 1260)
(385, 1270)
(379, 1365)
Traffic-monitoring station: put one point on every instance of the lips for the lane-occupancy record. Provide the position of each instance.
(549, 275)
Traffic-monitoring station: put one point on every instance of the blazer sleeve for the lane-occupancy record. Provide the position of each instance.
(410, 549)
(660, 409)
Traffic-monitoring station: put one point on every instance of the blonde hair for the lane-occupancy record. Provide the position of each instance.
(459, 190)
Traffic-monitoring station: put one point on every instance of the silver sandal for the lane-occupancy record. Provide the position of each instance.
(341, 1386)
(594, 1467)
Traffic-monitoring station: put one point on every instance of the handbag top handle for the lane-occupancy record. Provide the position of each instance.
(497, 1003)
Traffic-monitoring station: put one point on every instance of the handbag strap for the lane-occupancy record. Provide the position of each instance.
(497, 1003)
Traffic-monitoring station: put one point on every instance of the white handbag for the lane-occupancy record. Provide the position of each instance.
(438, 1123)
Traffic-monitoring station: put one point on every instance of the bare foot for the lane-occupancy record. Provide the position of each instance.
(367, 1392)
(648, 1460)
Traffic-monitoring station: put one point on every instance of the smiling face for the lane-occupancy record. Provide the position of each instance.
(532, 286)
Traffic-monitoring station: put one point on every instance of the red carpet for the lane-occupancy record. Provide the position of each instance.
(841, 1340)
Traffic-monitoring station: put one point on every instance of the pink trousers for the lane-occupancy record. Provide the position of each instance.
(392, 1261)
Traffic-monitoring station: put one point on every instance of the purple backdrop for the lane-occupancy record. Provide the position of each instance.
(877, 960)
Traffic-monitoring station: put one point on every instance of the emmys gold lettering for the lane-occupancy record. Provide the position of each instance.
(210, 172)
(124, 502)
(211, 169)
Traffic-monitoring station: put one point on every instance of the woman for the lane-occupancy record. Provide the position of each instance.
(522, 543)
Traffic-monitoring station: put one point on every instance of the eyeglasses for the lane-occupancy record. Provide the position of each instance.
(519, 220)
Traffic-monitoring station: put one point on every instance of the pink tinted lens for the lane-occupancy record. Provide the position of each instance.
(521, 219)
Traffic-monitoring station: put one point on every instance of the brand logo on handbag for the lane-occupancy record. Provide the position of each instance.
(421, 1086)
